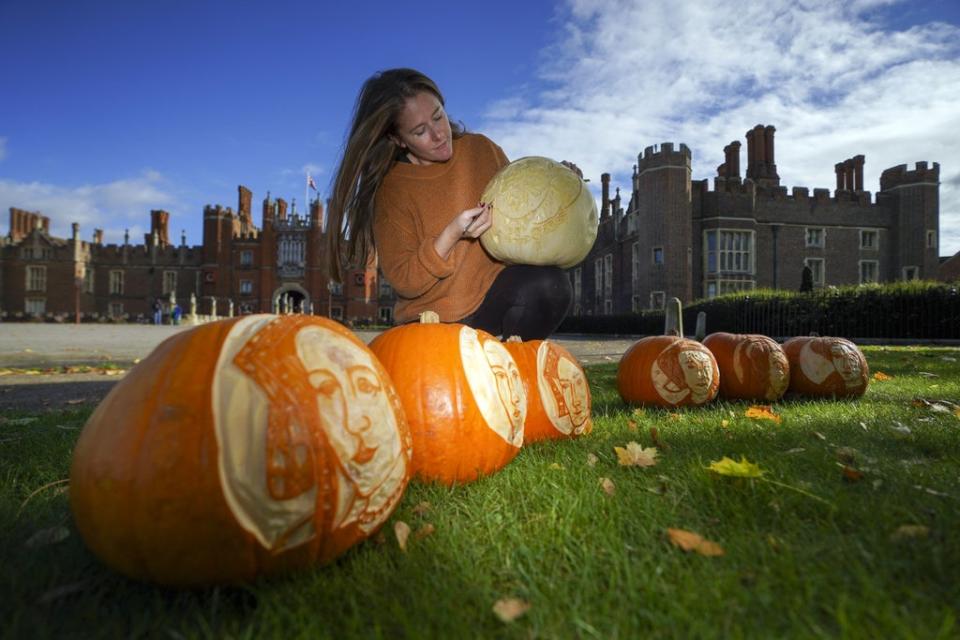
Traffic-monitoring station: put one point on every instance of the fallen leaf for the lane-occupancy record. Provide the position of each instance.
(795, 450)
(635, 455)
(422, 508)
(724, 423)
(657, 442)
(45, 537)
(677, 417)
(900, 428)
(424, 531)
(909, 531)
(880, 376)
(690, 541)
(847, 455)
(631, 425)
(402, 530)
(927, 374)
(509, 609)
(557, 466)
(592, 460)
(762, 412)
(639, 412)
(820, 436)
(607, 485)
(742, 469)
(850, 474)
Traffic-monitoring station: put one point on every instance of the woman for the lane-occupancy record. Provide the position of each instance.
(408, 186)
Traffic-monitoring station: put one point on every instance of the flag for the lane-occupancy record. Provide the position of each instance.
(311, 183)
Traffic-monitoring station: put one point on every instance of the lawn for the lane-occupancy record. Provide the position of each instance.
(852, 531)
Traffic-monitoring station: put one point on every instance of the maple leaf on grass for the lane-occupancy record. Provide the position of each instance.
(880, 376)
(762, 412)
(607, 485)
(729, 467)
(690, 541)
(509, 609)
(634, 455)
(402, 530)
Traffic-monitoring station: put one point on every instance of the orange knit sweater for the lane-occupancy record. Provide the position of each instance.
(413, 205)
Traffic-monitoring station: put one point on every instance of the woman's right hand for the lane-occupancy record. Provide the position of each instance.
(469, 224)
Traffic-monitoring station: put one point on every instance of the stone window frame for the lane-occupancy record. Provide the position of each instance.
(117, 277)
(35, 306)
(871, 245)
(820, 242)
(169, 277)
(876, 271)
(654, 296)
(246, 257)
(823, 269)
(931, 238)
(598, 280)
(36, 278)
(246, 287)
(115, 310)
(577, 286)
(385, 314)
(635, 305)
(654, 253)
(607, 278)
(915, 269)
(750, 253)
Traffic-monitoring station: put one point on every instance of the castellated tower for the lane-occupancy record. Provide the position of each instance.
(913, 196)
(664, 223)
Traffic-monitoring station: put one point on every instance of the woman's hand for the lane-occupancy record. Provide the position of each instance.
(469, 224)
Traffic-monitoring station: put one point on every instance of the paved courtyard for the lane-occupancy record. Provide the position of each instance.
(44, 346)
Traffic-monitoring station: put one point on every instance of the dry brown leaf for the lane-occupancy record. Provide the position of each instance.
(426, 530)
(880, 376)
(909, 531)
(850, 474)
(422, 508)
(631, 425)
(634, 455)
(402, 530)
(608, 487)
(509, 609)
(690, 541)
(657, 442)
(847, 455)
(677, 417)
(592, 460)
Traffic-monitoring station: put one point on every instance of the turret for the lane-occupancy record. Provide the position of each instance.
(914, 197)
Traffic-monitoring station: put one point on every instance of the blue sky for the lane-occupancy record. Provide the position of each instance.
(110, 109)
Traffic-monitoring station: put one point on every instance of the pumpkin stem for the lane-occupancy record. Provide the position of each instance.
(673, 318)
(429, 317)
(514, 339)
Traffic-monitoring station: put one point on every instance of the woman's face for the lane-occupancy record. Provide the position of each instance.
(423, 130)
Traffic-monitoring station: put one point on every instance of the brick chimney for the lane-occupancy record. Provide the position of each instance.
(158, 226)
(605, 190)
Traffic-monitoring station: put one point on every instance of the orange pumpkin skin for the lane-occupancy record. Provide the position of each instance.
(824, 367)
(667, 371)
(220, 457)
(462, 428)
(752, 367)
(558, 395)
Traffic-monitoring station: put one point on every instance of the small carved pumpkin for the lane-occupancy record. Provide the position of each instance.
(543, 214)
(462, 394)
(667, 371)
(558, 396)
(826, 367)
(240, 448)
(752, 367)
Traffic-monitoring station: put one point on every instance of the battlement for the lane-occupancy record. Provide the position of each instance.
(663, 155)
(217, 211)
(900, 176)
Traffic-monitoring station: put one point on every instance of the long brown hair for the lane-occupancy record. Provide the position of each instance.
(368, 154)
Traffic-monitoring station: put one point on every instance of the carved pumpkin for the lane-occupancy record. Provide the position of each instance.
(752, 367)
(239, 448)
(826, 367)
(558, 396)
(462, 394)
(543, 214)
(667, 371)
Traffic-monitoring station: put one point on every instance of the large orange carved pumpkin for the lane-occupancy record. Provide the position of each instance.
(752, 367)
(462, 394)
(826, 367)
(558, 396)
(543, 214)
(240, 448)
(667, 371)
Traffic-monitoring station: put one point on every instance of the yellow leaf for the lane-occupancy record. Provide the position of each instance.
(742, 469)
(592, 460)
(762, 412)
(509, 609)
(724, 423)
(608, 487)
(402, 530)
(634, 455)
(557, 466)
(424, 531)
(676, 416)
(908, 531)
(690, 541)
(880, 376)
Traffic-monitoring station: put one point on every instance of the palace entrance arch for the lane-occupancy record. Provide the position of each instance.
(290, 297)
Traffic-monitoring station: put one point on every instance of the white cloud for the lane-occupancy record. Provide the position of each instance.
(625, 74)
(113, 206)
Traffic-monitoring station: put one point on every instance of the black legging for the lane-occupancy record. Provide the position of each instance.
(524, 300)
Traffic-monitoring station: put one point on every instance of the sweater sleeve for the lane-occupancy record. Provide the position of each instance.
(409, 262)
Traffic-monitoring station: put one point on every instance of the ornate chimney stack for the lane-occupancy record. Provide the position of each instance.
(158, 226)
(605, 190)
(858, 161)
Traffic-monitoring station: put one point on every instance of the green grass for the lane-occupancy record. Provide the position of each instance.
(814, 560)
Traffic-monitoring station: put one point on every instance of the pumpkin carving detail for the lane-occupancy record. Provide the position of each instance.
(462, 394)
(667, 371)
(241, 448)
(558, 395)
(752, 367)
(826, 367)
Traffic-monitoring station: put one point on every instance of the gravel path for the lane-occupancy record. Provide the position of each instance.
(52, 347)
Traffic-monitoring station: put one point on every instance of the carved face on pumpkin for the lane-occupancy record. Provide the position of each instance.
(272, 470)
(563, 390)
(754, 359)
(843, 359)
(678, 372)
(494, 379)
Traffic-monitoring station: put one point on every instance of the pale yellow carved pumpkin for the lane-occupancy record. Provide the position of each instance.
(543, 214)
